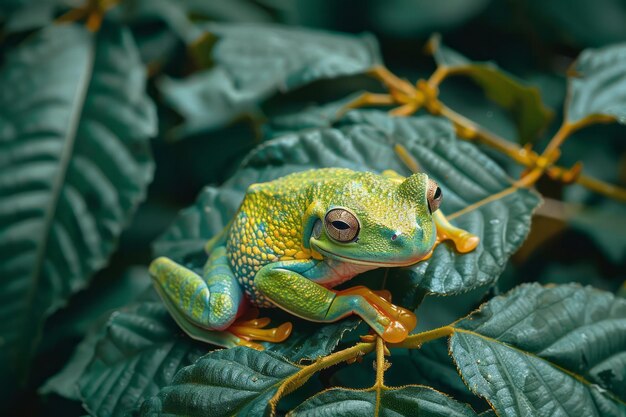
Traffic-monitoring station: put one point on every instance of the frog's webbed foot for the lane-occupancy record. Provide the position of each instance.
(396, 322)
(250, 327)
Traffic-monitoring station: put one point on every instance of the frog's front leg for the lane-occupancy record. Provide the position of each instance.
(464, 241)
(206, 308)
(291, 286)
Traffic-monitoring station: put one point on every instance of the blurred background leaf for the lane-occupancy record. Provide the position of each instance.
(76, 163)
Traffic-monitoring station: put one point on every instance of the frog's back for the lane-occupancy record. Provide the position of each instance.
(268, 226)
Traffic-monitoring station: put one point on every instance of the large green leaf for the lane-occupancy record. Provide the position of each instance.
(546, 351)
(180, 15)
(407, 401)
(238, 381)
(74, 162)
(597, 86)
(523, 102)
(141, 351)
(366, 142)
(253, 62)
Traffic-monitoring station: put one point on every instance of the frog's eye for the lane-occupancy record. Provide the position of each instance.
(434, 196)
(341, 225)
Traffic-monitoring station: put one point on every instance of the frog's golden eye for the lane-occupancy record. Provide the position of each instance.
(341, 225)
(434, 196)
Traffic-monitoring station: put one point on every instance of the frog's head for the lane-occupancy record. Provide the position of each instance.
(376, 220)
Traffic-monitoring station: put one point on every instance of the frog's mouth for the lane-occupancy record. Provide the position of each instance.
(355, 261)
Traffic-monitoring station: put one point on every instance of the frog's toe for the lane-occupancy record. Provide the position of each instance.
(467, 243)
(274, 335)
(251, 345)
(395, 332)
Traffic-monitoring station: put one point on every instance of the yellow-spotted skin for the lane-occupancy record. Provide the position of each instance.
(271, 223)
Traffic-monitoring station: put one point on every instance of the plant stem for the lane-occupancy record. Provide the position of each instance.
(470, 130)
(298, 379)
(528, 158)
(380, 362)
(416, 341)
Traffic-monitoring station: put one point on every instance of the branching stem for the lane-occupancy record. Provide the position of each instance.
(416, 341)
(298, 379)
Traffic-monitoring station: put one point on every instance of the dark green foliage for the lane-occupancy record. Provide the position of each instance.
(546, 351)
(251, 90)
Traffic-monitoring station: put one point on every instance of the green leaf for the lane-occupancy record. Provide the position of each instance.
(418, 18)
(238, 381)
(88, 315)
(434, 367)
(76, 161)
(366, 142)
(65, 383)
(181, 15)
(596, 87)
(309, 341)
(253, 62)
(406, 401)
(556, 350)
(142, 350)
(523, 102)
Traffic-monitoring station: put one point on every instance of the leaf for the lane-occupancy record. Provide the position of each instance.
(253, 62)
(419, 18)
(410, 400)
(142, 350)
(434, 367)
(523, 102)
(181, 15)
(549, 351)
(366, 142)
(596, 86)
(237, 381)
(65, 382)
(310, 341)
(76, 162)
(310, 117)
(88, 315)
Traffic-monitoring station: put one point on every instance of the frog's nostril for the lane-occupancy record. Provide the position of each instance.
(394, 236)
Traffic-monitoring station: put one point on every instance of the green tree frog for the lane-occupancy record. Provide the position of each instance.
(293, 240)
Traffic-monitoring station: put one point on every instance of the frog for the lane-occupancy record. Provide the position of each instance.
(293, 240)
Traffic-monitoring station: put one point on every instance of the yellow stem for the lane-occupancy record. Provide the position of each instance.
(296, 380)
(380, 372)
(416, 341)
(380, 362)
(473, 131)
(602, 187)
(469, 130)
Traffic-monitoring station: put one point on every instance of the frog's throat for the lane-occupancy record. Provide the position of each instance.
(364, 262)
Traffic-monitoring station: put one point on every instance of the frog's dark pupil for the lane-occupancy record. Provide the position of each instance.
(338, 224)
(437, 193)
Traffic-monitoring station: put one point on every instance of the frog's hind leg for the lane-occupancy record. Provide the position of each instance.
(207, 308)
(211, 302)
